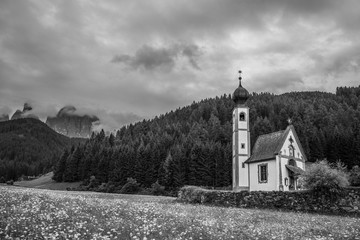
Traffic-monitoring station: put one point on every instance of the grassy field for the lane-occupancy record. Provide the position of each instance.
(46, 182)
(45, 214)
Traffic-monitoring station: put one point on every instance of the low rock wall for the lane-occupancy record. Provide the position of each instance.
(348, 202)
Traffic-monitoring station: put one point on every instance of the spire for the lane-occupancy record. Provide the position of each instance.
(240, 94)
(240, 78)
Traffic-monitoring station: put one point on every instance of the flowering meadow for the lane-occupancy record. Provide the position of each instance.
(46, 214)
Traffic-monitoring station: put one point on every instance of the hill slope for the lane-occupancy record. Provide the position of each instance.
(46, 182)
(192, 145)
(28, 146)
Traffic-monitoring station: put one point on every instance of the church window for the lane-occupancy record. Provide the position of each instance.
(286, 181)
(292, 162)
(243, 145)
(242, 116)
(291, 151)
(263, 173)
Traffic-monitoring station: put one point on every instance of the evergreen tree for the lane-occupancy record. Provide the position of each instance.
(60, 167)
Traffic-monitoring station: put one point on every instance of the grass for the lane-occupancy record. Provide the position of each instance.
(46, 182)
(44, 214)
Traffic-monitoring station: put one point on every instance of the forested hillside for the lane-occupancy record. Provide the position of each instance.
(28, 147)
(192, 145)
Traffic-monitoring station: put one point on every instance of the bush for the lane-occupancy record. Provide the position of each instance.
(131, 186)
(101, 188)
(157, 189)
(10, 182)
(94, 183)
(2, 179)
(354, 177)
(191, 194)
(322, 178)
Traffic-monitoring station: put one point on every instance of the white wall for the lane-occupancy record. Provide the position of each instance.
(271, 184)
(243, 139)
(285, 147)
(241, 135)
(285, 158)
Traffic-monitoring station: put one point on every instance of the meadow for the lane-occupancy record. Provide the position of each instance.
(46, 214)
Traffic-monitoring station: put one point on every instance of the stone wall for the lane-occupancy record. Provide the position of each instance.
(346, 202)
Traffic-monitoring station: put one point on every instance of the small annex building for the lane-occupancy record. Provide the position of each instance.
(277, 158)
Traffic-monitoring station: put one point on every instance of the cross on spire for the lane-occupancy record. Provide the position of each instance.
(240, 78)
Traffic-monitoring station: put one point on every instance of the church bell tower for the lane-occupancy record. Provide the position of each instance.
(240, 139)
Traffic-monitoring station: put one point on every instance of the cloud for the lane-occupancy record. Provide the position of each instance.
(276, 82)
(151, 58)
(164, 55)
(4, 110)
(111, 122)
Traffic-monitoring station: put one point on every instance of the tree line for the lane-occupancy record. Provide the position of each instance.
(192, 145)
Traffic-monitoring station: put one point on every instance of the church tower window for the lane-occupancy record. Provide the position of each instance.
(242, 116)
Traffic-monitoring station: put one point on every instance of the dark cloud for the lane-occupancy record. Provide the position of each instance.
(57, 52)
(192, 52)
(211, 18)
(151, 58)
(346, 59)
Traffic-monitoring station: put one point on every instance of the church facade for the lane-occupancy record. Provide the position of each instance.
(277, 158)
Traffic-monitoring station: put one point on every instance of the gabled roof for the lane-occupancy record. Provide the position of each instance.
(266, 146)
(269, 145)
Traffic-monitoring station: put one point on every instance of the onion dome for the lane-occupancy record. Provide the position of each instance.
(240, 94)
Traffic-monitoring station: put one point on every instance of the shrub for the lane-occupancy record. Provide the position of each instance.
(157, 189)
(2, 179)
(191, 194)
(93, 183)
(323, 178)
(101, 188)
(10, 182)
(354, 177)
(131, 186)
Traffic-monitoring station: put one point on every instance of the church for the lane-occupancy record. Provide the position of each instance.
(277, 158)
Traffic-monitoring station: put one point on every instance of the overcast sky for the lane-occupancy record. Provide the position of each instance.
(129, 59)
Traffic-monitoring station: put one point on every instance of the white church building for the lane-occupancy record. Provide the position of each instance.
(277, 158)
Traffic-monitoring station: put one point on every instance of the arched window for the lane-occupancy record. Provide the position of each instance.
(291, 151)
(242, 116)
(292, 162)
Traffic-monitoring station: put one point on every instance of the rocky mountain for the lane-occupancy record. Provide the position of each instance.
(24, 113)
(69, 123)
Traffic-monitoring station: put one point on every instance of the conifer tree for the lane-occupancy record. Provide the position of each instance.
(60, 167)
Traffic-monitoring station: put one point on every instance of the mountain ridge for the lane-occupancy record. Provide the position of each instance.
(29, 147)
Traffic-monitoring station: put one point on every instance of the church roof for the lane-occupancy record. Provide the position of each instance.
(265, 146)
(268, 145)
